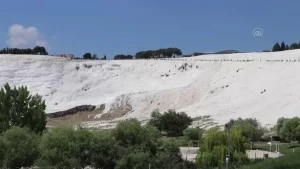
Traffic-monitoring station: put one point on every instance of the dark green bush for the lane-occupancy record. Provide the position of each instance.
(171, 122)
(18, 148)
(193, 133)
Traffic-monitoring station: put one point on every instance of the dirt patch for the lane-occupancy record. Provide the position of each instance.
(116, 112)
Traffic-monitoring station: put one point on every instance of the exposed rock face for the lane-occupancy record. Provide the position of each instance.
(72, 111)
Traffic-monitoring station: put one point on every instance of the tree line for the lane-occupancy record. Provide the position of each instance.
(38, 50)
(89, 56)
(151, 54)
(283, 46)
(123, 57)
(160, 53)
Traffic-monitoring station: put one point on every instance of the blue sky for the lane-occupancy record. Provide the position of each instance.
(126, 26)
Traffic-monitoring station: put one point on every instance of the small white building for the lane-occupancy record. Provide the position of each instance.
(189, 153)
(259, 154)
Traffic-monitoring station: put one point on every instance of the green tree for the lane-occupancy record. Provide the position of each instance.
(171, 122)
(104, 150)
(160, 53)
(290, 129)
(294, 46)
(69, 148)
(123, 57)
(174, 52)
(249, 128)
(193, 133)
(279, 125)
(40, 50)
(95, 57)
(19, 108)
(60, 148)
(276, 47)
(287, 47)
(87, 56)
(141, 147)
(282, 47)
(129, 145)
(134, 159)
(214, 148)
(168, 157)
(20, 148)
(130, 133)
(155, 120)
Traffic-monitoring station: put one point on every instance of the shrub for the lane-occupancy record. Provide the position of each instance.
(20, 148)
(104, 151)
(193, 133)
(171, 122)
(131, 133)
(60, 148)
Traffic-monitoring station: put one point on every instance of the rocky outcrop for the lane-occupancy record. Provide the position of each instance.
(71, 111)
(185, 66)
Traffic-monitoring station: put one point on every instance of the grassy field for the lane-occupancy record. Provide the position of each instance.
(284, 148)
(290, 160)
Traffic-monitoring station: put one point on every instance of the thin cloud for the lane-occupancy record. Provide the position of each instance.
(22, 37)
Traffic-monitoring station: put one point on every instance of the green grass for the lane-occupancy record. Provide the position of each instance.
(290, 160)
(283, 149)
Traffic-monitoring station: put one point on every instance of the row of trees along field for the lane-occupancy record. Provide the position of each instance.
(283, 46)
(25, 141)
(160, 53)
(149, 54)
(123, 57)
(38, 50)
(92, 57)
